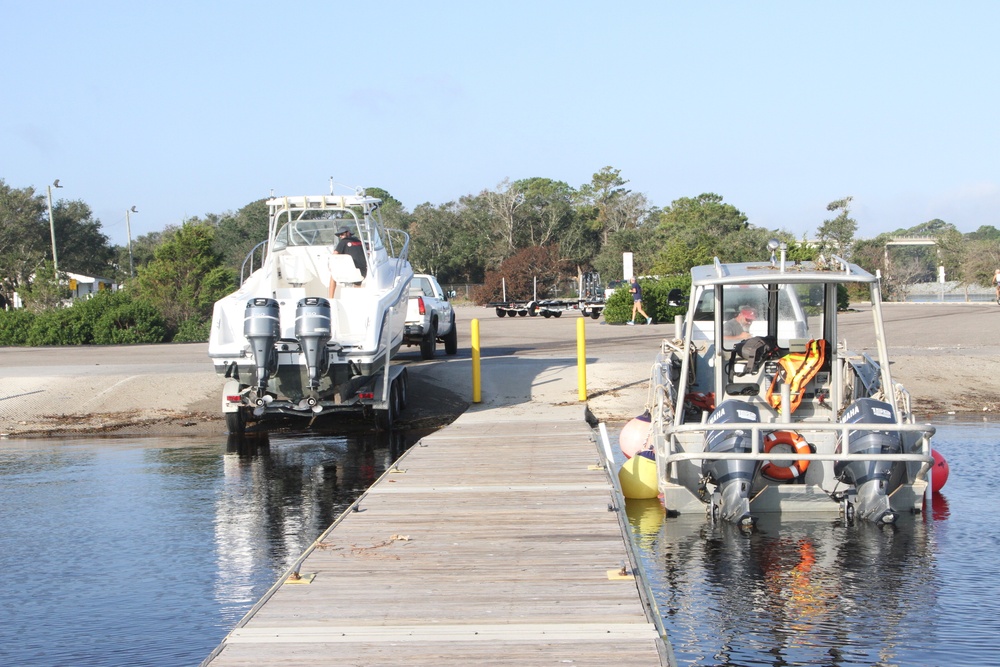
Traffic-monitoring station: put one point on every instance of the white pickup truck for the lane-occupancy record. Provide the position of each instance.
(430, 317)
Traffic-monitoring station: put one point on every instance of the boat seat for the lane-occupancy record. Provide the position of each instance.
(343, 270)
(295, 269)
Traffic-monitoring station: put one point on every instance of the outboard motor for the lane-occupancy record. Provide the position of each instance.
(262, 327)
(870, 478)
(732, 477)
(312, 330)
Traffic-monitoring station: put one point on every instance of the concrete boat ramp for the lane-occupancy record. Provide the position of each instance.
(494, 541)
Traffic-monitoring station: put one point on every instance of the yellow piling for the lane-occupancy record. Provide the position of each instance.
(477, 390)
(581, 360)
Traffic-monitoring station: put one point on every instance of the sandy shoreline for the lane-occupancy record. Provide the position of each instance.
(942, 353)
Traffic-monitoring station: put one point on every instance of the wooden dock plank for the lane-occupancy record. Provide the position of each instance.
(494, 542)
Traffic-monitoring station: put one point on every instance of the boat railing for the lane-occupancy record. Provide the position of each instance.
(759, 430)
(248, 263)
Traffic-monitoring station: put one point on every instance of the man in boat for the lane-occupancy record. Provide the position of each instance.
(349, 244)
(738, 328)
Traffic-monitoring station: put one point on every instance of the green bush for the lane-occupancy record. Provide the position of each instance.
(618, 308)
(14, 326)
(131, 322)
(61, 326)
(194, 330)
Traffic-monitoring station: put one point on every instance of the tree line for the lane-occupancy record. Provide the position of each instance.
(525, 235)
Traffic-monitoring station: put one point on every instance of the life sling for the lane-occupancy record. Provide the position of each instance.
(797, 368)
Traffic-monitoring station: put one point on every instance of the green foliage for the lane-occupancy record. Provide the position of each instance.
(837, 234)
(186, 277)
(618, 308)
(193, 331)
(44, 291)
(130, 321)
(15, 325)
(60, 326)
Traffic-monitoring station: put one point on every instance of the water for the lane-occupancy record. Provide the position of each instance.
(817, 592)
(147, 552)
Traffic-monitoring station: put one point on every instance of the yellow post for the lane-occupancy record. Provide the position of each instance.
(477, 393)
(581, 360)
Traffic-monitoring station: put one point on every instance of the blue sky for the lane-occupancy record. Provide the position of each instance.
(186, 108)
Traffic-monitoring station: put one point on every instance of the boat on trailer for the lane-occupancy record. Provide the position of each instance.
(770, 413)
(311, 331)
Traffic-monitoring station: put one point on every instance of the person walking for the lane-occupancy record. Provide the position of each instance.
(637, 302)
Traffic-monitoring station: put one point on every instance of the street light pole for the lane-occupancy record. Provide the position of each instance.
(52, 230)
(128, 230)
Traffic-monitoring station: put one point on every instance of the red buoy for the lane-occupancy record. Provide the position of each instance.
(634, 435)
(939, 473)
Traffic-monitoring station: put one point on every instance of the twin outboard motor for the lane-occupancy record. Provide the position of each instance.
(732, 478)
(262, 327)
(312, 330)
(870, 478)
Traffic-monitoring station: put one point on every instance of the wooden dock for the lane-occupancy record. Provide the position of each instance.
(493, 541)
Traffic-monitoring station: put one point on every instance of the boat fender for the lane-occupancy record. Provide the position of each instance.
(792, 441)
(939, 475)
(634, 436)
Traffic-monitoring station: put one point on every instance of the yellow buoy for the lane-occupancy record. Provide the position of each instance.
(638, 478)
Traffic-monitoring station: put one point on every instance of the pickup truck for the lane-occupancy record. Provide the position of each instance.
(429, 317)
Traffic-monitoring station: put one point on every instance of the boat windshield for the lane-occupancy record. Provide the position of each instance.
(315, 232)
(799, 310)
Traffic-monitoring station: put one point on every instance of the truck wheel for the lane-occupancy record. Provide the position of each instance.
(501, 312)
(428, 344)
(451, 339)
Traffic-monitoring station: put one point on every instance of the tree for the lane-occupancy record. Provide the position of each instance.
(608, 205)
(692, 231)
(236, 234)
(187, 276)
(520, 274)
(503, 204)
(24, 237)
(547, 209)
(837, 235)
(443, 244)
(81, 245)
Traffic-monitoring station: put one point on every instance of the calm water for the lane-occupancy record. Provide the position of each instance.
(816, 592)
(147, 552)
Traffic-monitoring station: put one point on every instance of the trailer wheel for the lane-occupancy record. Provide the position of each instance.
(236, 422)
(595, 314)
(428, 344)
(501, 312)
(451, 339)
(558, 313)
(546, 314)
(404, 382)
(522, 313)
(385, 418)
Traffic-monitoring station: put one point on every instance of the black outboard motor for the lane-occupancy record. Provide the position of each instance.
(870, 478)
(312, 330)
(732, 477)
(262, 327)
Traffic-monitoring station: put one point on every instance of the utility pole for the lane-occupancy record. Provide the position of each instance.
(128, 230)
(52, 230)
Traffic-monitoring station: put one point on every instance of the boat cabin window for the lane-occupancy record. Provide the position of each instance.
(767, 310)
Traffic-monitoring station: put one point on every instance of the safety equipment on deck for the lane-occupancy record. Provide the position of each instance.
(793, 441)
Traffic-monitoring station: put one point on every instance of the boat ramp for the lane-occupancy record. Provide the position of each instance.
(496, 540)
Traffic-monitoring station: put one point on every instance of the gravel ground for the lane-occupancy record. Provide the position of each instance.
(945, 354)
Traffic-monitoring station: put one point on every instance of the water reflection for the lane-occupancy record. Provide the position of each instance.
(149, 550)
(814, 591)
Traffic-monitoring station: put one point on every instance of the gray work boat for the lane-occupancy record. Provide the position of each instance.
(779, 416)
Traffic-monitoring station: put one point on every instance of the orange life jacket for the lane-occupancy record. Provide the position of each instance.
(797, 368)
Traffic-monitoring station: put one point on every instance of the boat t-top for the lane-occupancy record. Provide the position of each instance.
(759, 408)
(313, 329)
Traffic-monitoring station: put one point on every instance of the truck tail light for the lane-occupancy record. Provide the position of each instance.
(420, 305)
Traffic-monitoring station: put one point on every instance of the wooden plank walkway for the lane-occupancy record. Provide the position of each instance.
(492, 543)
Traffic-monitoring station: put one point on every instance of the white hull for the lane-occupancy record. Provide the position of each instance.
(334, 362)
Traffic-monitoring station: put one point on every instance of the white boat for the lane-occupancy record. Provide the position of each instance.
(782, 417)
(311, 331)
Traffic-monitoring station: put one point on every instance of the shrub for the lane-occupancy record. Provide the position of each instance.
(131, 322)
(194, 330)
(618, 308)
(61, 326)
(14, 326)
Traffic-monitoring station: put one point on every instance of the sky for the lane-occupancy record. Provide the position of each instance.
(187, 108)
